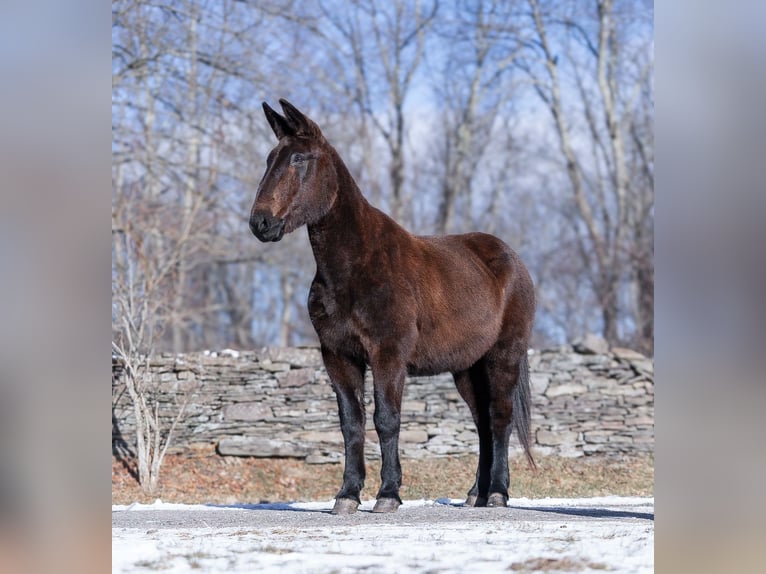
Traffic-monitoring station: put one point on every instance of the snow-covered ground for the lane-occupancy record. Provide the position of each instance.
(548, 535)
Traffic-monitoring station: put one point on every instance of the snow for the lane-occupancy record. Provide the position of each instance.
(557, 543)
(224, 353)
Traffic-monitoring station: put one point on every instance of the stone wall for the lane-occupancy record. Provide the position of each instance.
(277, 402)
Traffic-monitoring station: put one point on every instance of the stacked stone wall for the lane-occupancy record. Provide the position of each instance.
(278, 402)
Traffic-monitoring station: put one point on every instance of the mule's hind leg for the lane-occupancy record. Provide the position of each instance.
(503, 367)
(472, 386)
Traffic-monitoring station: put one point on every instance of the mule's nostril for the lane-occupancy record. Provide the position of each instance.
(256, 224)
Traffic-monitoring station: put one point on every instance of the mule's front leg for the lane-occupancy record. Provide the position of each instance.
(388, 378)
(347, 377)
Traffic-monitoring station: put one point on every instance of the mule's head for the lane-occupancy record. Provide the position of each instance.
(299, 186)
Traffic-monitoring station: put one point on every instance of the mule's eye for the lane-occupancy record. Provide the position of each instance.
(298, 158)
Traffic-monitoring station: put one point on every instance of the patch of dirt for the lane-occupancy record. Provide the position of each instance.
(556, 565)
(212, 478)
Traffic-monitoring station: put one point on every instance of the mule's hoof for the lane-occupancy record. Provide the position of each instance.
(344, 506)
(497, 500)
(386, 505)
(475, 501)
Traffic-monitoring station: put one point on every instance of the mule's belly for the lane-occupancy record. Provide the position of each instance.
(445, 350)
(432, 354)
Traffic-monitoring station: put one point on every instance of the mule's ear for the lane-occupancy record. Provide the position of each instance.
(303, 125)
(279, 124)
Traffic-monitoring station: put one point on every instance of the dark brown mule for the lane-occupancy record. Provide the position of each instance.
(401, 304)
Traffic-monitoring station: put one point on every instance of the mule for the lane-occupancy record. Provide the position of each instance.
(400, 304)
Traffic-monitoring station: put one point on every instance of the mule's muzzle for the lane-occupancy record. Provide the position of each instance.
(266, 227)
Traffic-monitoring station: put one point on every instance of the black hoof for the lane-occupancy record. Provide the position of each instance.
(497, 499)
(386, 505)
(344, 506)
(475, 501)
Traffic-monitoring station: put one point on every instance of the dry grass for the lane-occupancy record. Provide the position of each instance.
(215, 479)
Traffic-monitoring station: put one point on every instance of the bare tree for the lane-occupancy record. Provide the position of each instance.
(608, 208)
(178, 68)
(143, 278)
(474, 87)
(173, 72)
(384, 44)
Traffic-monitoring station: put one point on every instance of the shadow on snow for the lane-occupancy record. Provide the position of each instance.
(589, 512)
(270, 506)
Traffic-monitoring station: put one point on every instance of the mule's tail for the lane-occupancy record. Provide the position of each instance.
(522, 407)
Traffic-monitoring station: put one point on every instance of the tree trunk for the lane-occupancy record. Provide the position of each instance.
(645, 307)
(610, 313)
(287, 309)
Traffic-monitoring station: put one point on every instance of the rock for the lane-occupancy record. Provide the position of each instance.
(616, 438)
(413, 406)
(326, 437)
(591, 344)
(648, 439)
(247, 412)
(553, 438)
(641, 420)
(565, 389)
(297, 377)
(643, 366)
(597, 436)
(271, 367)
(627, 354)
(538, 383)
(296, 356)
(570, 451)
(443, 449)
(468, 437)
(261, 447)
(418, 436)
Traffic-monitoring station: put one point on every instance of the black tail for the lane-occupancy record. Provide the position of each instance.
(522, 408)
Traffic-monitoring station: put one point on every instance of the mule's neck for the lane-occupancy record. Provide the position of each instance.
(346, 233)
